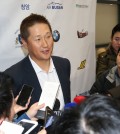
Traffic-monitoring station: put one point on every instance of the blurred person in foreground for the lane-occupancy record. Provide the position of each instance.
(97, 114)
(8, 106)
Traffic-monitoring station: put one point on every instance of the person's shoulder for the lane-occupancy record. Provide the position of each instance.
(17, 65)
(104, 74)
(59, 58)
(64, 62)
(103, 54)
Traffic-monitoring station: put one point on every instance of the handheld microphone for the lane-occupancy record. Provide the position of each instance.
(70, 105)
(56, 105)
(76, 100)
(41, 114)
(79, 99)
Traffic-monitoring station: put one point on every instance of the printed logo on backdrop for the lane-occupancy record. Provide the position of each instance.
(82, 34)
(18, 42)
(82, 65)
(25, 6)
(81, 6)
(56, 35)
(54, 5)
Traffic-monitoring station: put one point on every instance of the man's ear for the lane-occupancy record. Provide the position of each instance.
(24, 43)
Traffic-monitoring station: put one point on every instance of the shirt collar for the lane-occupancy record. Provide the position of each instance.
(39, 69)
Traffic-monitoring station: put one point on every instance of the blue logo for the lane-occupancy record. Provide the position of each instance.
(18, 42)
(25, 6)
(56, 36)
(19, 38)
(54, 5)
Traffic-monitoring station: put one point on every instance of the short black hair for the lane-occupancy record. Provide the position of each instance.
(115, 29)
(97, 114)
(30, 21)
(6, 95)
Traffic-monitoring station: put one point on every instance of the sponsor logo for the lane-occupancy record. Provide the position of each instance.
(82, 65)
(18, 42)
(82, 34)
(25, 6)
(56, 36)
(81, 6)
(54, 5)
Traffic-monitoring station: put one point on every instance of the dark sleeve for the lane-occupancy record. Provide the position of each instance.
(23, 116)
(16, 75)
(98, 86)
(68, 68)
(102, 64)
(68, 73)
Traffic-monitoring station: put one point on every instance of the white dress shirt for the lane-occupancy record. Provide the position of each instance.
(50, 76)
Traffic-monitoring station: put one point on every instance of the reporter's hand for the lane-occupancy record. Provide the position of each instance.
(32, 111)
(43, 131)
(18, 108)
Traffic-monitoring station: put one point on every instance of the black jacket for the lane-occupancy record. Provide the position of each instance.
(23, 73)
(102, 84)
(106, 60)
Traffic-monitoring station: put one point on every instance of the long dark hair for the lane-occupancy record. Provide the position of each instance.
(6, 95)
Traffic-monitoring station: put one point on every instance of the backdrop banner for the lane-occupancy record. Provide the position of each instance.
(73, 24)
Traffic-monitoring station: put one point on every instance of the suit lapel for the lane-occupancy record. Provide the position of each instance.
(31, 72)
(60, 74)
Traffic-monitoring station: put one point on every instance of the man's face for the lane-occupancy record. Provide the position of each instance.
(39, 42)
(118, 60)
(116, 41)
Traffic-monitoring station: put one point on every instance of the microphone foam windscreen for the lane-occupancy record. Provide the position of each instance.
(79, 99)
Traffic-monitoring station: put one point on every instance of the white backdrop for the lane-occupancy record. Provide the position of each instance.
(73, 19)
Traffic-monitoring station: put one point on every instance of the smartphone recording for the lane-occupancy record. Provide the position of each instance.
(24, 95)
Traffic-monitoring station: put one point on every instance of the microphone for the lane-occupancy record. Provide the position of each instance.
(56, 105)
(79, 99)
(70, 105)
(41, 114)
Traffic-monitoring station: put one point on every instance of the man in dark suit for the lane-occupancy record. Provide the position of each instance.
(39, 66)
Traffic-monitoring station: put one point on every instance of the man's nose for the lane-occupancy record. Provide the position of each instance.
(44, 42)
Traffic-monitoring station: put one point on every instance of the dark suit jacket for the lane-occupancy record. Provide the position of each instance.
(23, 73)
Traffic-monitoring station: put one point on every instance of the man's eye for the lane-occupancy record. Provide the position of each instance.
(38, 39)
(48, 36)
